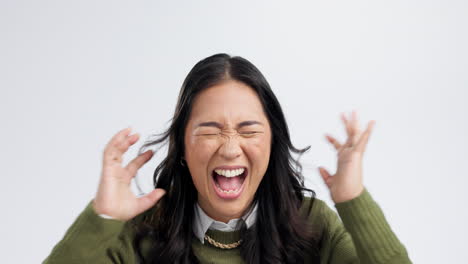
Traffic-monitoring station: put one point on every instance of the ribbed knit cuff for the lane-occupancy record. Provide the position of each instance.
(364, 220)
(104, 226)
(87, 236)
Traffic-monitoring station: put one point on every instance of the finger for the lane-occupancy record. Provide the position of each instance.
(352, 126)
(122, 146)
(115, 152)
(118, 146)
(355, 126)
(119, 136)
(333, 141)
(115, 139)
(327, 178)
(354, 120)
(349, 130)
(362, 143)
(147, 201)
(346, 124)
(138, 162)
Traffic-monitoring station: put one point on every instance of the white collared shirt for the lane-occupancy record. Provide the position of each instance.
(203, 222)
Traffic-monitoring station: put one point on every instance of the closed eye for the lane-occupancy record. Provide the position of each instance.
(250, 132)
(209, 134)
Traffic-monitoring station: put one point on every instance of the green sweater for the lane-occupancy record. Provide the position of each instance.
(363, 236)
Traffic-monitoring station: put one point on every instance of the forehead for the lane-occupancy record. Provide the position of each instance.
(228, 101)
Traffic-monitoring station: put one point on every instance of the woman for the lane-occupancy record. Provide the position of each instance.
(229, 189)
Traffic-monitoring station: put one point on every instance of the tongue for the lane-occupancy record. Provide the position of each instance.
(232, 183)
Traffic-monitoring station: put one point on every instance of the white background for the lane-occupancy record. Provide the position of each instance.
(72, 73)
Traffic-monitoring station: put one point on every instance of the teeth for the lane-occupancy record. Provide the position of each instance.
(230, 173)
(224, 191)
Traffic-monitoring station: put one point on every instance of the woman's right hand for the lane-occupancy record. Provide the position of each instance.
(114, 196)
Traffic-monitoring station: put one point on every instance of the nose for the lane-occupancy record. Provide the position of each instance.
(230, 148)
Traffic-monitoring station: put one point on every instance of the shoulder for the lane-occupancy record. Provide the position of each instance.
(318, 210)
(315, 208)
(319, 215)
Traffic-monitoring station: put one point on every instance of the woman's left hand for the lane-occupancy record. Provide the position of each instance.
(347, 183)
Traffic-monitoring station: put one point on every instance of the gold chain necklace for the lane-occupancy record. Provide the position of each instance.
(221, 245)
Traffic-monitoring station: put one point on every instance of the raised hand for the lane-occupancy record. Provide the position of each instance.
(114, 196)
(347, 182)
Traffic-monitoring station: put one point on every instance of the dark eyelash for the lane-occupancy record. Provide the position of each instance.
(250, 132)
(242, 133)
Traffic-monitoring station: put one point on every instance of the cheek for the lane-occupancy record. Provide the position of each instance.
(258, 151)
(199, 152)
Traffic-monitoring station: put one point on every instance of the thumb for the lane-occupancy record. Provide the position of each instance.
(327, 178)
(147, 201)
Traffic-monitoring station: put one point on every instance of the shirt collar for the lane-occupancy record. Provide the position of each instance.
(203, 222)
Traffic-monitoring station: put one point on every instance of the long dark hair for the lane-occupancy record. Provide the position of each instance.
(280, 234)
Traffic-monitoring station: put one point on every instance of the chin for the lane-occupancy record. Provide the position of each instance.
(227, 210)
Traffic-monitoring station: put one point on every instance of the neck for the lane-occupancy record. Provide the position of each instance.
(220, 216)
(217, 216)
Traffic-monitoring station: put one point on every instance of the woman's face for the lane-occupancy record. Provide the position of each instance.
(227, 148)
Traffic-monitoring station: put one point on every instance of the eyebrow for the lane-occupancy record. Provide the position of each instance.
(248, 123)
(218, 125)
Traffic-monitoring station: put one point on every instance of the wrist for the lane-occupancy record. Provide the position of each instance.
(106, 216)
(97, 210)
(100, 214)
(341, 196)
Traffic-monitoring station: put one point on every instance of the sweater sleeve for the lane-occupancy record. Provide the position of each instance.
(94, 239)
(363, 236)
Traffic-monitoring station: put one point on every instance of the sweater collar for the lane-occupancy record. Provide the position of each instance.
(202, 222)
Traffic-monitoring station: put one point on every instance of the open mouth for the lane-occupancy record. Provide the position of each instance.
(229, 183)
